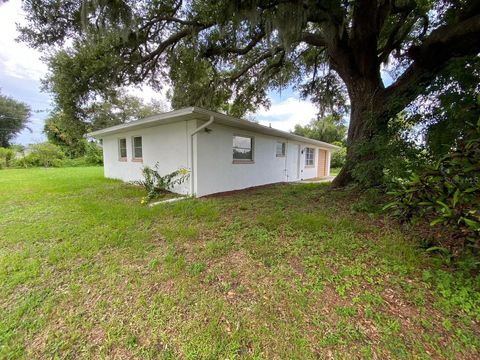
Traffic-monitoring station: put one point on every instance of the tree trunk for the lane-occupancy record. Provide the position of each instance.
(364, 125)
(354, 56)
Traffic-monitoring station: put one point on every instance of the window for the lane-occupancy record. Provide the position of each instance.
(242, 149)
(280, 149)
(137, 147)
(309, 156)
(122, 149)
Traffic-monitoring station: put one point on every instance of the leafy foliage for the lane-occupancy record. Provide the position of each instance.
(448, 106)
(13, 119)
(66, 132)
(448, 193)
(329, 129)
(398, 154)
(120, 109)
(67, 128)
(338, 156)
(6, 156)
(93, 154)
(42, 154)
(426, 131)
(156, 184)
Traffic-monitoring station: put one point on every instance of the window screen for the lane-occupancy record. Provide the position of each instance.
(122, 148)
(137, 147)
(242, 148)
(280, 149)
(309, 156)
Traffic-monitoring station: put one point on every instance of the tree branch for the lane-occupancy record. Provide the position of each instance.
(443, 44)
(221, 50)
(175, 38)
(314, 39)
(251, 64)
(395, 37)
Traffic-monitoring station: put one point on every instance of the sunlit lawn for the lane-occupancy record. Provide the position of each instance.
(335, 171)
(289, 271)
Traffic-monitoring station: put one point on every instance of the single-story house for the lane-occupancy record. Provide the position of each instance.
(221, 152)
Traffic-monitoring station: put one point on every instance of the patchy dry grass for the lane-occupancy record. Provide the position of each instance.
(281, 272)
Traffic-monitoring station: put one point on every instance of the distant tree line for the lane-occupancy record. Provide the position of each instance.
(14, 116)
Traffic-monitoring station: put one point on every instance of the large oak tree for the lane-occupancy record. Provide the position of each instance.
(227, 54)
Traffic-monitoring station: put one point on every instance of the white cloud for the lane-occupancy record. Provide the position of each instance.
(285, 114)
(17, 59)
(148, 94)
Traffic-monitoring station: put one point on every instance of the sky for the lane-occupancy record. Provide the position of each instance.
(21, 71)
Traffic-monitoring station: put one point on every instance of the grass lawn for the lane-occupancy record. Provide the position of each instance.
(290, 271)
(334, 171)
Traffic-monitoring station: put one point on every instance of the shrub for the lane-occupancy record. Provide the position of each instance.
(93, 154)
(48, 154)
(447, 194)
(155, 184)
(339, 156)
(6, 156)
(391, 154)
(43, 154)
(370, 200)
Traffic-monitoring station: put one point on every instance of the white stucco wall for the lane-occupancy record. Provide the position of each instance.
(215, 170)
(166, 144)
(212, 157)
(294, 166)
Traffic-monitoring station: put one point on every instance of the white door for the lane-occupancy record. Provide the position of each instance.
(293, 162)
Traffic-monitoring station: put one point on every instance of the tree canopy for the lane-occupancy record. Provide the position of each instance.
(14, 117)
(449, 106)
(329, 129)
(226, 55)
(66, 130)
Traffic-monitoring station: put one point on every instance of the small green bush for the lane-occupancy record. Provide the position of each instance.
(43, 154)
(447, 194)
(6, 156)
(156, 184)
(51, 155)
(339, 156)
(93, 154)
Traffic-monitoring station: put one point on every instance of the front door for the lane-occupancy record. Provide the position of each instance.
(322, 163)
(293, 162)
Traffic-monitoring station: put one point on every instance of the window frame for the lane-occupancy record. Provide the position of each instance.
(308, 158)
(284, 149)
(135, 158)
(252, 149)
(120, 157)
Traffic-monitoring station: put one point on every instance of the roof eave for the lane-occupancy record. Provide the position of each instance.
(146, 122)
(152, 120)
(273, 131)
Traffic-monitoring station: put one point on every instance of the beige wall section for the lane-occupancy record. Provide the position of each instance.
(322, 163)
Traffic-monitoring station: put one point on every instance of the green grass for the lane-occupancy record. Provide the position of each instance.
(290, 271)
(334, 171)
